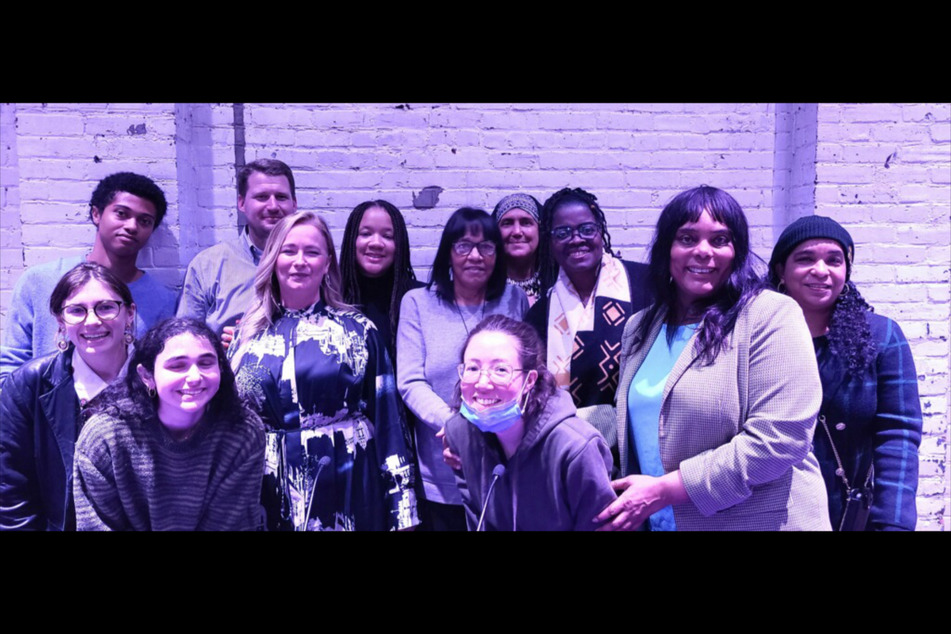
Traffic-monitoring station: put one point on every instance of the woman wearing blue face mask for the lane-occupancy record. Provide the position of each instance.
(528, 462)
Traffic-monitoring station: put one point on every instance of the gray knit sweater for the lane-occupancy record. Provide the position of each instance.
(428, 344)
(129, 474)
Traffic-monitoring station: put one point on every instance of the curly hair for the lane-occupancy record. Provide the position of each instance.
(402, 270)
(131, 183)
(226, 404)
(743, 284)
(531, 356)
(547, 267)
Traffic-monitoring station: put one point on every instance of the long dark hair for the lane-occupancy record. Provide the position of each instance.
(531, 356)
(850, 336)
(226, 404)
(743, 284)
(461, 221)
(547, 267)
(402, 271)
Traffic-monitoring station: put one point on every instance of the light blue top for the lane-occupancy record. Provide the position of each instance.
(643, 410)
(219, 283)
(31, 328)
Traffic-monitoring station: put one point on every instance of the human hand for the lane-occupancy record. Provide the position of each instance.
(638, 498)
(450, 458)
(227, 336)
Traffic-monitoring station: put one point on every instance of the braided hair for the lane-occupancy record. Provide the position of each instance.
(547, 267)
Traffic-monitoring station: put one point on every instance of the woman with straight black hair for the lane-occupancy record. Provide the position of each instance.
(375, 267)
(719, 387)
(466, 285)
(870, 420)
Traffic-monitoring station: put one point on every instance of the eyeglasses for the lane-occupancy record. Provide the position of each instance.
(501, 374)
(464, 247)
(106, 310)
(586, 230)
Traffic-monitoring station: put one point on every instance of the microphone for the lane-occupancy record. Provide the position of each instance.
(497, 473)
(323, 462)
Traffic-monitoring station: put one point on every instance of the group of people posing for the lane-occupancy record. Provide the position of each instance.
(536, 382)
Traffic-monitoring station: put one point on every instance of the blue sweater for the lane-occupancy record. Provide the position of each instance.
(31, 328)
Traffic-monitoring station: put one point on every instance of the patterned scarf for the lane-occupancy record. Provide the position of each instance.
(584, 341)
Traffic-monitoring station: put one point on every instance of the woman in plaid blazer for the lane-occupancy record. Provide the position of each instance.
(719, 387)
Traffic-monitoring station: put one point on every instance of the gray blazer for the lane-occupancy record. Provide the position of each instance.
(740, 430)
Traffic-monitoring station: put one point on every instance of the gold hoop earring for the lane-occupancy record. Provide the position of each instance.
(62, 341)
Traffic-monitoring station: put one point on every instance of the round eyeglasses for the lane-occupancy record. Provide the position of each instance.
(501, 374)
(464, 247)
(106, 310)
(586, 230)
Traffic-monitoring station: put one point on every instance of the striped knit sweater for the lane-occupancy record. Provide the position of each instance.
(129, 474)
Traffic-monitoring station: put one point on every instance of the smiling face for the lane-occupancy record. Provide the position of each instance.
(268, 199)
(519, 233)
(95, 337)
(473, 270)
(125, 225)
(487, 350)
(375, 247)
(578, 257)
(186, 378)
(815, 274)
(701, 259)
(301, 265)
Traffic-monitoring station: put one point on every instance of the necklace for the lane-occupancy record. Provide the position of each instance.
(463, 318)
(531, 286)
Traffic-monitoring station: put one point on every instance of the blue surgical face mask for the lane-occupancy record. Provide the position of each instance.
(497, 418)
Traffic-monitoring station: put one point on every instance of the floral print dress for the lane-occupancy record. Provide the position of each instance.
(338, 453)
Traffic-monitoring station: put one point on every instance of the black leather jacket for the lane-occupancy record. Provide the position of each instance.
(40, 417)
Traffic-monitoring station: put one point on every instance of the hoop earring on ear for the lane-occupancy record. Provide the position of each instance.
(781, 287)
(151, 391)
(62, 341)
(845, 290)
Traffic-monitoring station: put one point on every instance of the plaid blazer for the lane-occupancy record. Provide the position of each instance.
(740, 430)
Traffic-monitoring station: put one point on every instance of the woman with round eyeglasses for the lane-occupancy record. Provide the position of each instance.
(528, 462)
(517, 217)
(339, 455)
(869, 425)
(588, 294)
(171, 446)
(466, 285)
(42, 404)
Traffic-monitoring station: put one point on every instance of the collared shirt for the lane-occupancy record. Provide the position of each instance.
(218, 286)
(87, 383)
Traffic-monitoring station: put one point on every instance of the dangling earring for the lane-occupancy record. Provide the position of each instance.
(127, 336)
(62, 342)
(781, 287)
(151, 391)
(845, 290)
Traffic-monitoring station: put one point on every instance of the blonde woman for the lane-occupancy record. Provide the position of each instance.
(338, 453)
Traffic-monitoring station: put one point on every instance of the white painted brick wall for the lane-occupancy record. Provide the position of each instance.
(11, 239)
(883, 172)
(634, 157)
